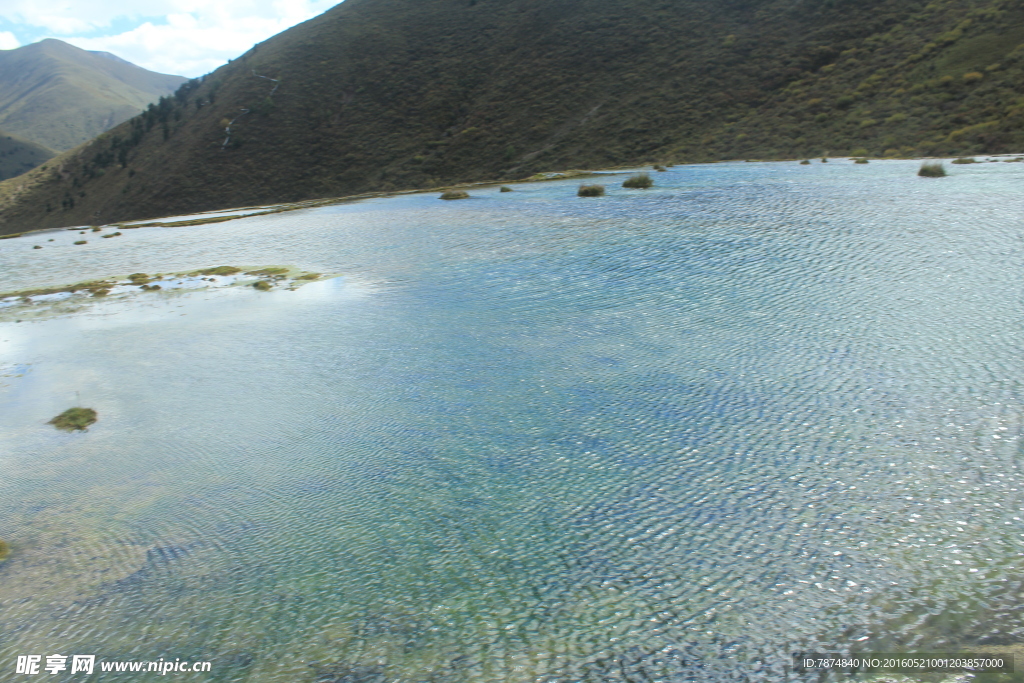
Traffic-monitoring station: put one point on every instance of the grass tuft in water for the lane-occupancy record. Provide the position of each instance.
(309, 276)
(932, 169)
(590, 191)
(263, 285)
(964, 160)
(74, 418)
(640, 181)
(455, 194)
(81, 242)
(805, 162)
(506, 188)
(860, 161)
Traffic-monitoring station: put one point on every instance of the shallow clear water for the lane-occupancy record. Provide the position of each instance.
(663, 435)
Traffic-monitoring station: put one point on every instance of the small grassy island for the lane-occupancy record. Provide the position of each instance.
(590, 191)
(932, 169)
(455, 194)
(74, 419)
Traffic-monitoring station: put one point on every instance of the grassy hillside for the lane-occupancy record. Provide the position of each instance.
(60, 96)
(389, 94)
(18, 156)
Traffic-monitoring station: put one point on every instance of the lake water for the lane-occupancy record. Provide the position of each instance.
(663, 435)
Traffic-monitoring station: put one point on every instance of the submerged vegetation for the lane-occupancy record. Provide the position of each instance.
(74, 419)
(640, 181)
(932, 169)
(590, 191)
(5, 550)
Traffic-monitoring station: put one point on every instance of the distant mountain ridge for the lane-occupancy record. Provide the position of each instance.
(59, 96)
(379, 95)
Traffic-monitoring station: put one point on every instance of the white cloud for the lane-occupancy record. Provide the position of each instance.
(184, 37)
(8, 41)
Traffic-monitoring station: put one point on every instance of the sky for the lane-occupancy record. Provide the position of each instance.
(181, 37)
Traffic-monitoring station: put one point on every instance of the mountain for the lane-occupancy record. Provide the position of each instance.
(391, 94)
(18, 156)
(60, 96)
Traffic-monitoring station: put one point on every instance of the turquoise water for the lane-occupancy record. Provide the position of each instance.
(662, 435)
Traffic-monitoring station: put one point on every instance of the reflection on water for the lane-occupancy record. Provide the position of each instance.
(665, 435)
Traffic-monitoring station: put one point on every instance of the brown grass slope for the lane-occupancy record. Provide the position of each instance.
(391, 94)
(60, 96)
(18, 156)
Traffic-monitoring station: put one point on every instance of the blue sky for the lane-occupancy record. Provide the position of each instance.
(183, 37)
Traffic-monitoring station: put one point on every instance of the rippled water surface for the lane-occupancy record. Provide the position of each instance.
(662, 435)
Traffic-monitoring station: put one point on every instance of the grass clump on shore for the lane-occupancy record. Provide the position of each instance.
(964, 160)
(5, 550)
(74, 419)
(11, 236)
(640, 181)
(932, 169)
(263, 285)
(219, 270)
(309, 276)
(268, 272)
(590, 191)
(455, 194)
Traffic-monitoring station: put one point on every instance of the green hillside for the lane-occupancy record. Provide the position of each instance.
(18, 156)
(393, 94)
(60, 96)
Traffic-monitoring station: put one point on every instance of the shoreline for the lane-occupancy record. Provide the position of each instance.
(268, 209)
